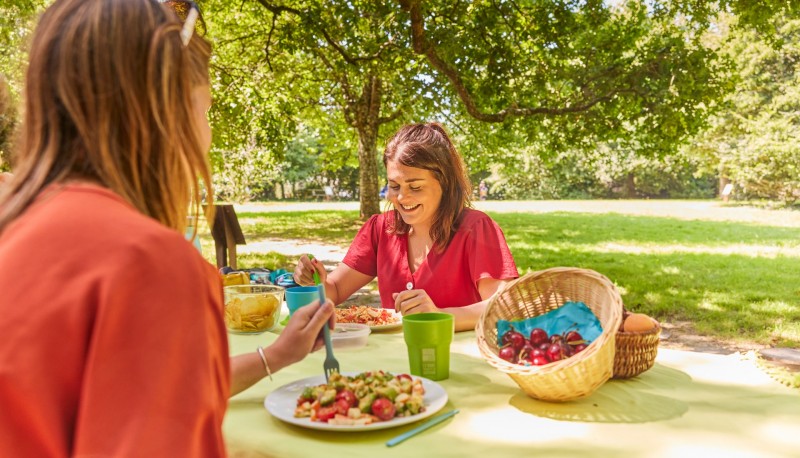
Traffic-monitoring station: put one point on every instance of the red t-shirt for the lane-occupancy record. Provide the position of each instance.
(478, 250)
(112, 336)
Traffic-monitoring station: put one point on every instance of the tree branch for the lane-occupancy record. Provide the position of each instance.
(344, 84)
(422, 46)
(275, 9)
(269, 41)
(386, 119)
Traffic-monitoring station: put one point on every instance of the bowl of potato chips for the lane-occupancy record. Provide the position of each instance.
(252, 309)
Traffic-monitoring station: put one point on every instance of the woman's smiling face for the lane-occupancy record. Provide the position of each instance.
(415, 193)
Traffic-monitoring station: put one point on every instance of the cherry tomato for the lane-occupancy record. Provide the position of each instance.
(348, 396)
(326, 413)
(341, 406)
(383, 409)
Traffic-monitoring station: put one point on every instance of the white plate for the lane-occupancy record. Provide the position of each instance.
(282, 402)
(382, 327)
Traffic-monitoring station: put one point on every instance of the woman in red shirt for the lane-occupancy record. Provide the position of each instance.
(432, 252)
(112, 336)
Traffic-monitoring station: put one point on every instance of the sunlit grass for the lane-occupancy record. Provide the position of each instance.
(732, 280)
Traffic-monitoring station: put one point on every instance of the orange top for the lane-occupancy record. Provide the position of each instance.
(112, 335)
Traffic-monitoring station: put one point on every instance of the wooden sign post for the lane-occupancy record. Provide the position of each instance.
(227, 234)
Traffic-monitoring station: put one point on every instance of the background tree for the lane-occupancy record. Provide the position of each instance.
(335, 62)
(752, 143)
(602, 88)
(8, 115)
(16, 22)
(560, 75)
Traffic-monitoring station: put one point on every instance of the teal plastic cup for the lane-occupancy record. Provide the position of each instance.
(428, 337)
(300, 296)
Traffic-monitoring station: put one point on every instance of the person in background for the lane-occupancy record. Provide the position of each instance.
(431, 252)
(483, 190)
(113, 338)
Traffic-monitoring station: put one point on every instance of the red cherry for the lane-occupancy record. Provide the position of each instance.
(573, 336)
(566, 349)
(544, 346)
(578, 348)
(514, 338)
(539, 361)
(538, 336)
(508, 353)
(555, 352)
(538, 352)
(526, 350)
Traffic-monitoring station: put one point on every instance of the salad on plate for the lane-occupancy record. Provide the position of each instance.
(362, 399)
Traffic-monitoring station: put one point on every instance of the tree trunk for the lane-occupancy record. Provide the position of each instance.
(367, 119)
(368, 170)
(630, 186)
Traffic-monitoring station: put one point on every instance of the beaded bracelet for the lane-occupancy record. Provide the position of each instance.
(264, 360)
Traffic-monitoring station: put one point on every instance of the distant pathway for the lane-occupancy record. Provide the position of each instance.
(330, 255)
(710, 210)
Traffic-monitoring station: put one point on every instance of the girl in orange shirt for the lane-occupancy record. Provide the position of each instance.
(113, 342)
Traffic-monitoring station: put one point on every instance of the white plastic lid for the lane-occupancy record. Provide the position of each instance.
(348, 335)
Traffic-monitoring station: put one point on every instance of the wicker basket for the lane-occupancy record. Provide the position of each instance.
(636, 352)
(536, 294)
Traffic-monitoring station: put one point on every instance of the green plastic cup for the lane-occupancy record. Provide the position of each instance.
(428, 337)
(300, 296)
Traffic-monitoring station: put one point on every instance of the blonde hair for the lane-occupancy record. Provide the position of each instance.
(108, 99)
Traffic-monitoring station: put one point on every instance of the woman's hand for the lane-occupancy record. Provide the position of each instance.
(303, 334)
(300, 337)
(304, 272)
(413, 301)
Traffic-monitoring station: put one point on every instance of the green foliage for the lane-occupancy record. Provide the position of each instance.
(242, 172)
(558, 77)
(16, 22)
(8, 120)
(607, 172)
(582, 96)
(753, 142)
(326, 66)
(570, 75)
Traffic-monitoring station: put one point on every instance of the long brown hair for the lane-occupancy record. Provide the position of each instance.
(108, 99)
(427, 146)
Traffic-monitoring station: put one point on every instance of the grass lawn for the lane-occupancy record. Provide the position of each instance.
(734, 280)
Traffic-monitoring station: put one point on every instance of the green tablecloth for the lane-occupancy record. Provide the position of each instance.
(688, 404)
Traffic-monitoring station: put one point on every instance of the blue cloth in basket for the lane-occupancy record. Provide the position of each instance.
(570, 316)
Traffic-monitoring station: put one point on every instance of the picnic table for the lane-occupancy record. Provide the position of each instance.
(688, 404)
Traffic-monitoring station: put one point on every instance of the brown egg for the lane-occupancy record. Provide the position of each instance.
(638, 322)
